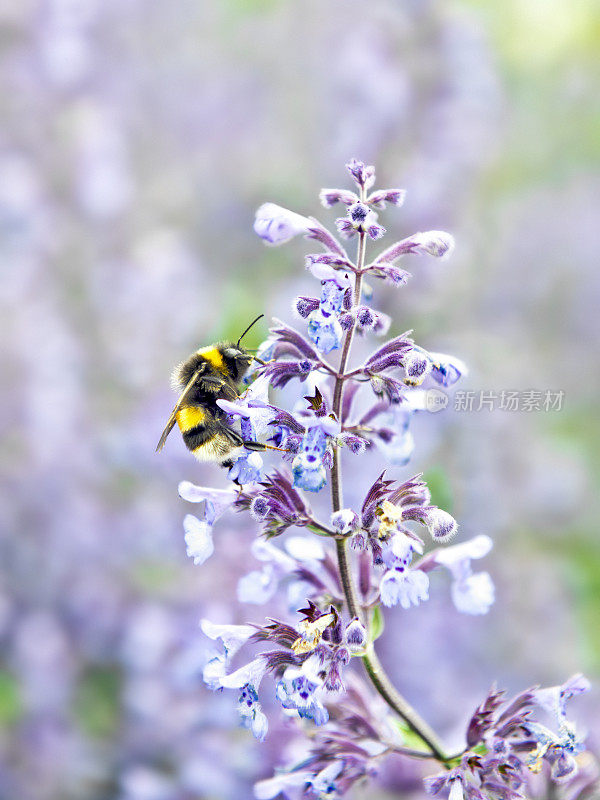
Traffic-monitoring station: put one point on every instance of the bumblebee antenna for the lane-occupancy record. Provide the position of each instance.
(248, 328)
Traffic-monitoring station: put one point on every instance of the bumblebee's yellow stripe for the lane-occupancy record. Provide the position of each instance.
(214, 357)
(189, 417)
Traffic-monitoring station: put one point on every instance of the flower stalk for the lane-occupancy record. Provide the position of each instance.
(372, 664)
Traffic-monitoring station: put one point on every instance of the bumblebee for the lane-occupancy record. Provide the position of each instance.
(210, 374)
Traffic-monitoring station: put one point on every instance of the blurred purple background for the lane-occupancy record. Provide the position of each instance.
(137, 137)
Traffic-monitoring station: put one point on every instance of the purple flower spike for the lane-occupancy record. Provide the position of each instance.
(277, 225)
(355, 636)
(324, 237)
(347, 566)
(288, 340)
(300, 689)
(282, 372)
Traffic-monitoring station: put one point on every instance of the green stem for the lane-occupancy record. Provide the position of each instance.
(373, 666)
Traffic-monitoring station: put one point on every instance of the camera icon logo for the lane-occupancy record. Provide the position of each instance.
(436, 400)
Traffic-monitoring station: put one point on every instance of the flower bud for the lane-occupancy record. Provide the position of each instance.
(303, 306)
(365, 317)
(379, 198)
(260, 507)
(363, 174)
(416, 367)
(436, 243)
(277, 225)
(358, 213)
(346, 320)
(375, 231)
(355, 636)
(344, 521)
(442, 526)
(329, 197)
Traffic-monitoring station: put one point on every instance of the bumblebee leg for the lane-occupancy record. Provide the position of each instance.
(259, 447)
(233, 437)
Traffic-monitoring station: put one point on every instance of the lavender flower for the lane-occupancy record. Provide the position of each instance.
(251, 713)
(246, 469)
(299, 689)
(325, 331)
(251, 674)
(231, 637)
(277, 225)
(198, 538)
(446, 370)
(308, 467)
(471, 593)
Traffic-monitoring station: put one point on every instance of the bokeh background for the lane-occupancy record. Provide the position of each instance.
(136, 139)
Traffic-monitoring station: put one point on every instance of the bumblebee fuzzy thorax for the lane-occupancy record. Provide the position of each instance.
(224, 358)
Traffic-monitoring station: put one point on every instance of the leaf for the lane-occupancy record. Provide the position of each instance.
(97, 701)
(11, 707)
(377, 623)
(409, 737)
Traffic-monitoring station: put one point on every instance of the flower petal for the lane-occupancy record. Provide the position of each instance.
(220, 499)
(198, 539)
(477, 547)
(257, 586)
(270, 788)
(474, 594)
(250, 674)
(232, 637)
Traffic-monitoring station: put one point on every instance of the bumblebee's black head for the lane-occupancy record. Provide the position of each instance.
(237, 359)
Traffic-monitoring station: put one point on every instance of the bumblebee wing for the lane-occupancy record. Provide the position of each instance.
(214, 385)
(173, 418)
(168, 428)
